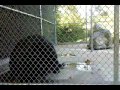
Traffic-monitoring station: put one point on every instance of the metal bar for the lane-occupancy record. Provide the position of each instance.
(71, 23)
(47, 21)
(91, 30)
(41, 21)
(55, 25)
(86, 23)
(116, 44)
(21, 12)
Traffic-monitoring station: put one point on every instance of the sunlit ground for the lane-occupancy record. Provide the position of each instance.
(100, 70)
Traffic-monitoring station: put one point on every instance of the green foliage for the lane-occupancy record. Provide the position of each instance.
(70, 33)
(70, 25)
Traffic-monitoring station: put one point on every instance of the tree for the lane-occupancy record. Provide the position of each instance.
(70, 25)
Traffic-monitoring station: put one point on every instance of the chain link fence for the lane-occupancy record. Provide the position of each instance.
(28, 57)
(59, 44)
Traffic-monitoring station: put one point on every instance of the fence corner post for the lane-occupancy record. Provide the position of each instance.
(116, 44)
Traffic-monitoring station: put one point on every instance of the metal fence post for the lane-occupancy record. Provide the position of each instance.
(41, 20)
(86, 23)
(91, 30)
(55, 24)
(116, 44)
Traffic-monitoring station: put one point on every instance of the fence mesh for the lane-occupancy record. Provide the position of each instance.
(63, 44)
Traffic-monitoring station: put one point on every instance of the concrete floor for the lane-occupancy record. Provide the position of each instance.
(101, 65)
(75, 76)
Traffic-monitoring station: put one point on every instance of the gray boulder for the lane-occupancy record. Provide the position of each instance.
(101, 38)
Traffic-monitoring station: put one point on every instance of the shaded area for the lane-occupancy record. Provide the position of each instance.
(31, 60)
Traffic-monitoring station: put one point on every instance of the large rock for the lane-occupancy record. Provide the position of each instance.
(101, 38)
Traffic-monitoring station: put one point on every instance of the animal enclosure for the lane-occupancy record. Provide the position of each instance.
(49, 44)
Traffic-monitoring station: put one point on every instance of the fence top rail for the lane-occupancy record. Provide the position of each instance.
(21, 12)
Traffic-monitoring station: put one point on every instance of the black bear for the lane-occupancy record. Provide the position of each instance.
(32, 59)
